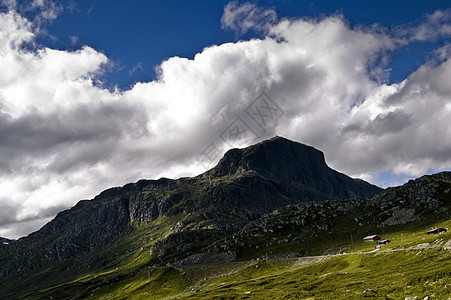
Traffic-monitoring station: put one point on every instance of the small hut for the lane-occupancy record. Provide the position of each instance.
(372, 238)
(436, 231)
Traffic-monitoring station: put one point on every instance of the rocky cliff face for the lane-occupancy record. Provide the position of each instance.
(245, 184)
(282, 160)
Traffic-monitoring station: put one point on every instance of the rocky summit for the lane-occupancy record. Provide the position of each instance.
(277, 197)
(282, 160)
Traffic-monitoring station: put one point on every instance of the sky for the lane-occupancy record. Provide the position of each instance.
(95, 94)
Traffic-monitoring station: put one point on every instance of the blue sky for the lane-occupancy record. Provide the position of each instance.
(95, 94)
(139, 35)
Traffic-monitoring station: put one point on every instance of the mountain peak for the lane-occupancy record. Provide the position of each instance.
(276, 156)
(281, 159)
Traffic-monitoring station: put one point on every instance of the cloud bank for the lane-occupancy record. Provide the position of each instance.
(65, 138)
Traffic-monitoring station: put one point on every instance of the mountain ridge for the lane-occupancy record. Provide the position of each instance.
(230, 212)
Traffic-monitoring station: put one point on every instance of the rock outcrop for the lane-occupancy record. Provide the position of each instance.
(297, 164)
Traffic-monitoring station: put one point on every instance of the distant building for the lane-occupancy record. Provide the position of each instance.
(383, 242)
(371, 238)
(436, 231)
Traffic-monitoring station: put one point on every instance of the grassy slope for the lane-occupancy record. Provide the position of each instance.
(120, 263)
(395, 272)
(129, 269)
(398, 270)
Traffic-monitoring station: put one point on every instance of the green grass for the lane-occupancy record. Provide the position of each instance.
(392, 272)
(396, 271)
(130, 268)
(390, 275)
(120, 264)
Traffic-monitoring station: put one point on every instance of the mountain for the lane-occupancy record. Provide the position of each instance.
(251, 203)
(302, 166)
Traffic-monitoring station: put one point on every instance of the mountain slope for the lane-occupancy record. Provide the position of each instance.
(155, 263)
(175, 219)
(307, 227)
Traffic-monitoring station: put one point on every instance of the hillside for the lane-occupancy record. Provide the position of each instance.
(277, 201)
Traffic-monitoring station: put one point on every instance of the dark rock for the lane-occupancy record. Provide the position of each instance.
(284, 160)
(5, 241)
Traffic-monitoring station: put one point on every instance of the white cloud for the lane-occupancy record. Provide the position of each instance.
(243, 17)
(434, 25)
(11, 5)
(66, 139)
(405, 130)
(74, 40)
(15, 30)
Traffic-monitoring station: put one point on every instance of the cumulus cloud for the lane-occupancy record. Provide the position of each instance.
(403, 131)
(65, 138)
